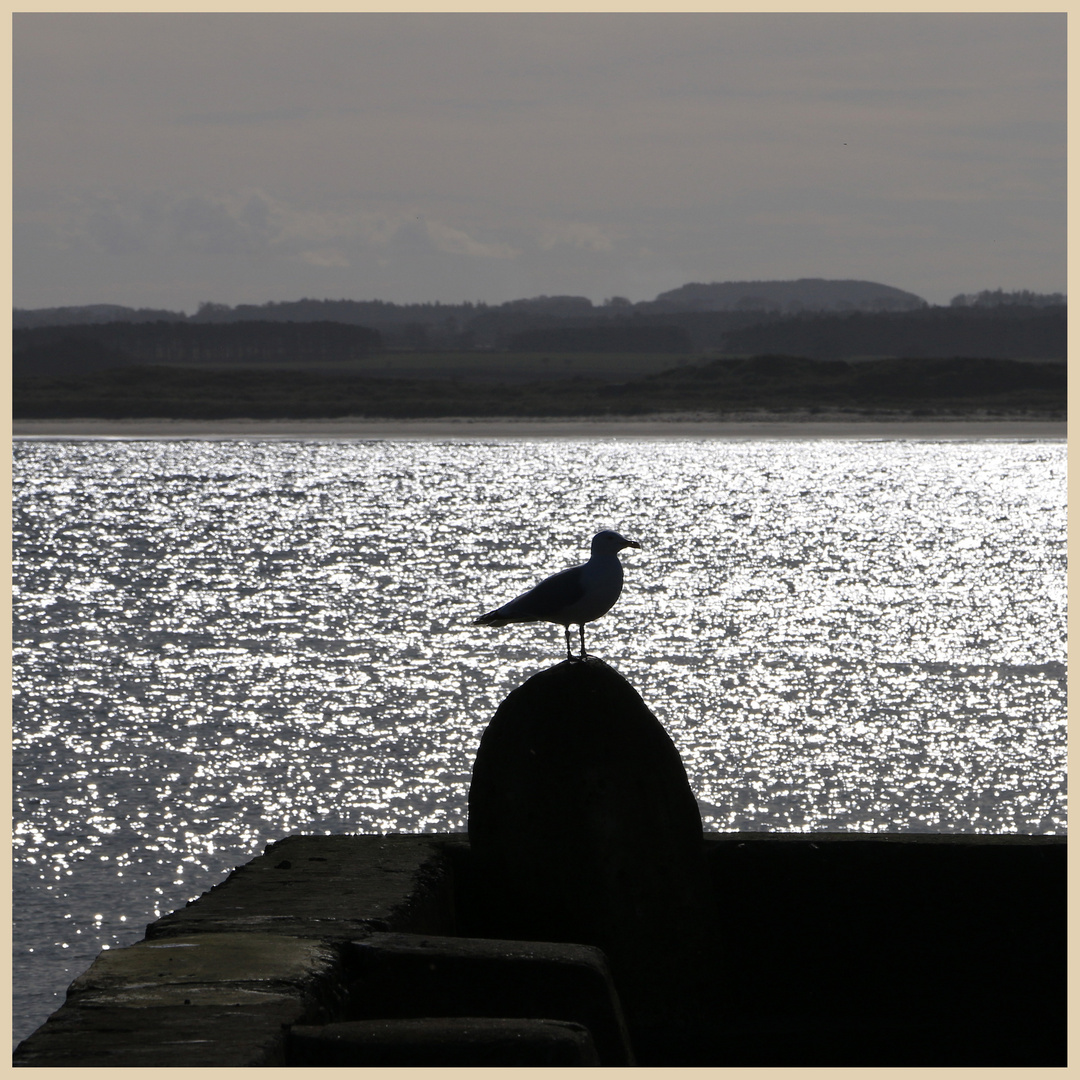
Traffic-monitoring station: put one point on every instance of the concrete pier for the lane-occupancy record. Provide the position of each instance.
(819, 950)
(586, 920)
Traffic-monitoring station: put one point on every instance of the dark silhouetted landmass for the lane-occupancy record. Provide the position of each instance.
(558, 307)
(1007, 331)
(243, 342)
(907, 382)
(24, 318)
(947, 386)
(803, 294)
(344, 311)
(1001, 298)
(66, 354)
(809, 317)
(609, 338)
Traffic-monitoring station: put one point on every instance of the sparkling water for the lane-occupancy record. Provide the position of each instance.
(218, 643)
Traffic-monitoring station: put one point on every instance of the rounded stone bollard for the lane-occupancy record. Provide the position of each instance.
(582, 824)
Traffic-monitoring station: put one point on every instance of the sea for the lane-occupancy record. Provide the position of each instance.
(221, 642)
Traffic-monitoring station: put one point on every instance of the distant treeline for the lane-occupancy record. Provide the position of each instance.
(1012, 331)
(810, 317)
(58, 350)
(805, 294)
(621, 337)
(1005, 331)
(773, 383)
(1001, 298)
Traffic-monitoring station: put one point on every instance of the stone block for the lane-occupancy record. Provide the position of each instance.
(163, 1036)
(410, 975)
(224, 963)
(213, 999)
(461, 1042)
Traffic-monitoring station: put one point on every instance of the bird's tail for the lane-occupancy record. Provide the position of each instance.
(490, 619)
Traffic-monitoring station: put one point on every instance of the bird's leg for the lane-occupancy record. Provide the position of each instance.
(581, 630)
(569, 654)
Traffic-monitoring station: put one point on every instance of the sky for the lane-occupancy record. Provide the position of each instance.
(165, 160)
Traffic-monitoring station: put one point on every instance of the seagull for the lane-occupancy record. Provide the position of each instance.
(577, 595)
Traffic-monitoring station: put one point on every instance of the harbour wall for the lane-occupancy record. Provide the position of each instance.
(839, 950)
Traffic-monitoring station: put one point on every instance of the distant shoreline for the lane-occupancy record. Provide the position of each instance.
(660, 427)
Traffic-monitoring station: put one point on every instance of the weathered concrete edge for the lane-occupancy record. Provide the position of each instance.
(250, 958)
(334, 888)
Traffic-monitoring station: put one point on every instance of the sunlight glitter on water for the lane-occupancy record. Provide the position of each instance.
(220, 643)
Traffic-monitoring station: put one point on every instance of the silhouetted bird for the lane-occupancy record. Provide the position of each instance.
(577, 595)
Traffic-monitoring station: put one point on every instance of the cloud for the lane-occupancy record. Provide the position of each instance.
(113, 228)
(123, 224)
(221, 227)
(576, 234)
(437, 156)
(253, 223)
(327, 257)
(455, 242)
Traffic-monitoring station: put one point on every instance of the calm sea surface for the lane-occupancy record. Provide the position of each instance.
(218, 643)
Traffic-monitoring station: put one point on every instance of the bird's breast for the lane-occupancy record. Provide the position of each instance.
(603, 580)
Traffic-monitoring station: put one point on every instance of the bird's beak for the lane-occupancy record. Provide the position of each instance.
(632, 543)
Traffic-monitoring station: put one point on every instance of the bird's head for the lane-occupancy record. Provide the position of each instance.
(609, 542)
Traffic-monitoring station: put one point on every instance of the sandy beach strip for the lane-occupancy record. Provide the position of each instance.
(472, 428)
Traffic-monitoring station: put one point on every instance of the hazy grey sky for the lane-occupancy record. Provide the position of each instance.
(162, 160)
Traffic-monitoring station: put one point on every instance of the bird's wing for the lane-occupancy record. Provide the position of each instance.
(546, 600)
